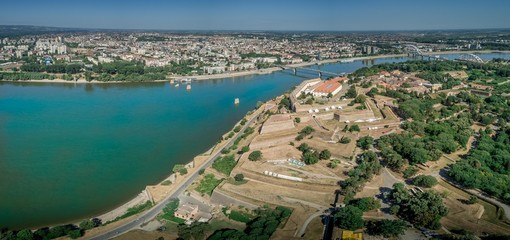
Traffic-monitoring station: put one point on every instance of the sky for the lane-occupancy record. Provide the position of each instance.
(318, 15)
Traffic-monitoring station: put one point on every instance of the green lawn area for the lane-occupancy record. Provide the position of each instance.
(224, 164)
(169, 210)
(239, 216)
(208, 184)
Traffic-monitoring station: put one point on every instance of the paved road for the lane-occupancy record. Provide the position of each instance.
(302, 230)
(154, 211)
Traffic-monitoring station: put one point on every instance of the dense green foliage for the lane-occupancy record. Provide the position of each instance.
(208, 184)
(224, 164)
(425, 181)
(424, 209)
(349, 217)
(255, 155)
(179, 168)
(194, 231)
(487, 166)
(365, 142)
(386, 228)
(366, 203)
(169, 210)
(305, 132)
(368, 165)
(238, 216)
(262, 227)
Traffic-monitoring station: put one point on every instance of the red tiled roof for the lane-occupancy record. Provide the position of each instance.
(328, 86)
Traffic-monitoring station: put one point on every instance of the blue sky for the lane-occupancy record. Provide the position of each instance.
(339, 15)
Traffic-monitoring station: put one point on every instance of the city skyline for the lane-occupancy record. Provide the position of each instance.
(261, 15)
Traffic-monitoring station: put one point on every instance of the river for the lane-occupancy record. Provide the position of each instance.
(73, 151)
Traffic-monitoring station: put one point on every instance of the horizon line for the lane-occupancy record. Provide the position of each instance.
(257, 30)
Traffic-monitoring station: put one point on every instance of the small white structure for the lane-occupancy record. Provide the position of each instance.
(236, 101)
(298, 179)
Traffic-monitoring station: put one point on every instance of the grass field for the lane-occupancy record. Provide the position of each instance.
(208, 184)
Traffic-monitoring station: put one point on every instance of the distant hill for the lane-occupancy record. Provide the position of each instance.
(20, 30)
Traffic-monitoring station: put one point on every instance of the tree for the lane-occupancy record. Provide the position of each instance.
(303, 147)
(297, 119)
(255, 155)
(360, 99)
(344, 140)
(349, 217)
(354, 128)
(425, 181)
(351, 93)
(88, 76)
(472, 199)
(424, 209)
(310, 157)
(25, 234)
(386, 228)
(365, 142)
(307, 130)
(366, 203)
(76, 233)
(239, 177)
(88, 224)
(179, 168)
(237, 129)
(195, 231)
(325, 154)
(245, 149)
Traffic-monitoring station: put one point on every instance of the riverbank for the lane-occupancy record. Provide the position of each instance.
(261, 71)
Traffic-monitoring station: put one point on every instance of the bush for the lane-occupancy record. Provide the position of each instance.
(344, 140)
(239, 177)
(307, 130)
(334, 163)
(74, 234)
(425, 181)
(366, 203)
(472, 199)
(255, 155)
(237, 129)
(245, 149)
(354, 128)
(297, 119)
(181, 169)
(201, 171)
(325, 154)
(299, 137)
(410, 171)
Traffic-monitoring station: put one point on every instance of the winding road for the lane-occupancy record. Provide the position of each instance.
(156, 209)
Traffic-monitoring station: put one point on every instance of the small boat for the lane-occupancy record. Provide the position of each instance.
(188, 87)
(177, 85)
(236, 101)
(172, 81)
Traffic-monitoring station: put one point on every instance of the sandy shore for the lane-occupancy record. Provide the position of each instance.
(261, 71)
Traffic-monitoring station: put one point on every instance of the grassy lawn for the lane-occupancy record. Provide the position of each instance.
(224, 164)
(208, 184)
(169, 210)
(491, 213)
(238, 216)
